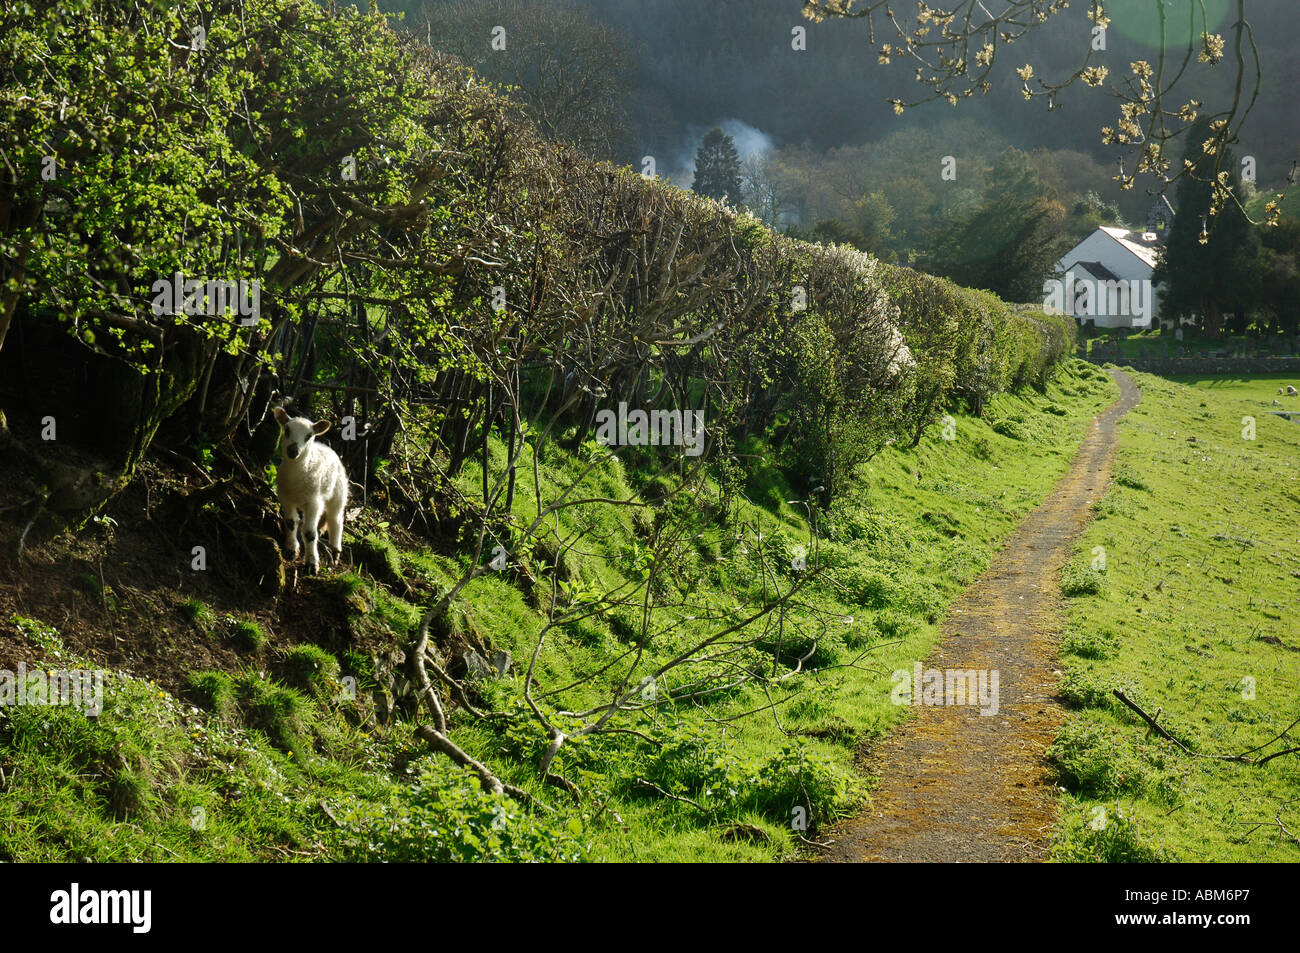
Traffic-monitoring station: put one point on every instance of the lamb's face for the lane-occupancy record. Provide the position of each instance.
(298, 433)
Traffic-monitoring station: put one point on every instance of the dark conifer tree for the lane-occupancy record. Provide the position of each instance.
(1210, 267)
(717, 167)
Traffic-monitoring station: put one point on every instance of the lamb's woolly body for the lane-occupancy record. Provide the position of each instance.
(312, 488)
(317, 472)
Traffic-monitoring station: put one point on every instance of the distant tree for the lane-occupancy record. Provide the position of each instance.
(805, 181)
(1208, 274)
(717, 167)
(1073, 174)
(1009, 243)
(1088, 214)
(868, 231)
(568, 68)
(874, 217)
(875, 189)
(764, 190)
(1279, 289)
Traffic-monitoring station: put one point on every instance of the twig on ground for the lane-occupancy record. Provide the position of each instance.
(675, 797)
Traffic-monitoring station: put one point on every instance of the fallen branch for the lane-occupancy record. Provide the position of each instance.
(1276, 822)
(1149, 720)
(1276, 754)
(1242, 758)
(330, 814)
(36, 514)
(815, 843)
(557, 739)
(490, 782)
(437, 738)
(675, 797)
(457, 690)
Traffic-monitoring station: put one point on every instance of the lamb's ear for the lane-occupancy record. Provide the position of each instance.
(281, 417)
(320, 427)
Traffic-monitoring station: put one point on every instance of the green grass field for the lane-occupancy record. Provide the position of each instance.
(248, 768)
(1290, 203)
(1196, 623)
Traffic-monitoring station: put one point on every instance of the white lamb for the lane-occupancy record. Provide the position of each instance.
(1291, 391)
(312, 486)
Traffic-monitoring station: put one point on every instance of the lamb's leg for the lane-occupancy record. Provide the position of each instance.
(325, 528)
(311, 532)
(334, 526)
(327, 548)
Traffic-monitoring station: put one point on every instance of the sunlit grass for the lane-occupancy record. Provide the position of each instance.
(1196, 622)
(279, 774)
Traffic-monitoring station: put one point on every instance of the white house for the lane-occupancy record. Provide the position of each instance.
(1106, 278)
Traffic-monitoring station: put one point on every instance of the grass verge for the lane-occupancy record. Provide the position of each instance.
(247, 767)
(1195, 621)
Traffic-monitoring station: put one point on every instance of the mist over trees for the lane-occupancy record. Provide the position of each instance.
(698, 63)
(893, 200)
(844, 168)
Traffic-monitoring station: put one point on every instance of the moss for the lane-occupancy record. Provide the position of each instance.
(351, 594)
(279, 712)
(198, 613)
(248, 635)
(214, 691)
(311, 669)
(379, 557)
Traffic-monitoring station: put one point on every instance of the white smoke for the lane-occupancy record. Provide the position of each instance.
(750, 141)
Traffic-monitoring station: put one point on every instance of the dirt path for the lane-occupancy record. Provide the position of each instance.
(960, 786)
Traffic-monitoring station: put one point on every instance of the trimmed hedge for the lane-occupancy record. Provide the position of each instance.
(471, 266)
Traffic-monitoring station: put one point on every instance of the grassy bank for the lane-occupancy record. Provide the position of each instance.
(257, 758)
(1193, 618)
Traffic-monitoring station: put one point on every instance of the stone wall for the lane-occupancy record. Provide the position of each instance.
(1164, 364)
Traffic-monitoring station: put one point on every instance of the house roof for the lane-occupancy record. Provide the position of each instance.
(1161, 204)
(1097, 270)
(1135, 243)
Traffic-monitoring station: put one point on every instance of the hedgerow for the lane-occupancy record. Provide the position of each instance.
(416, 242)
(428, 266)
